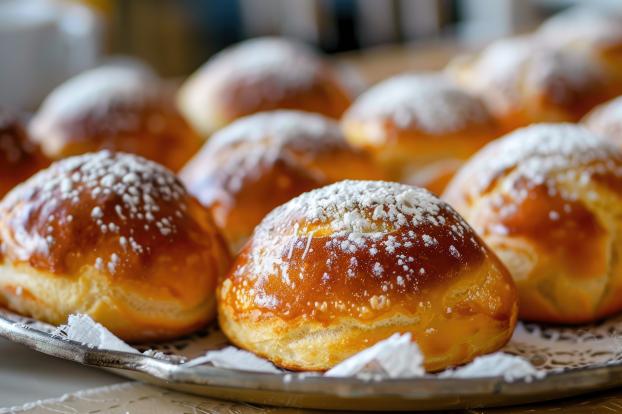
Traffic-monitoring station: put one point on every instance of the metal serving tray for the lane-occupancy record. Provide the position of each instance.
(305, 391)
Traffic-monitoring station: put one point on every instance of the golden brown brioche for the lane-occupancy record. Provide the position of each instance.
(261, 75)
(340, 268)
(113, 236)
(606, 120)
(421, 127)
(19, 156)
(548, 200)
(261, 161)
(597, 32)
(120, 108)
(523, 81)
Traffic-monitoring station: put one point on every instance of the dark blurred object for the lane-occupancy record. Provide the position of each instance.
(177, 36)
(19, 156)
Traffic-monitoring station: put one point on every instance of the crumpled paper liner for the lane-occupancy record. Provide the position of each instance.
(83, 329)
(395, 357)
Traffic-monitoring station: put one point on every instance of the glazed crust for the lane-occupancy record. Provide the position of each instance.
(262, 161)
(114, 236)
(546, 199)
(118, 109)
(420, 127)
(261, 75)
(340, 268)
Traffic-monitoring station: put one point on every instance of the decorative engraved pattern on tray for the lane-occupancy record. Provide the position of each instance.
(554, 348)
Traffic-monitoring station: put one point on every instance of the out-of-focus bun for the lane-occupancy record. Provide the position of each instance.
(524, 81)
(120, 108)
(261, 75)
(420, 127)
(597, 32)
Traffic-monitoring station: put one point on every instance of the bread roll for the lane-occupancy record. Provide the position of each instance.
(524, 81)
(548, 200)
(19, 156)
(120, 108)
(261, 161)
(113, 236)
(421, 127)
(340, 268)
(260, 75)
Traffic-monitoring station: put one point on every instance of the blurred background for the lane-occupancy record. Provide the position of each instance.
(43, 42)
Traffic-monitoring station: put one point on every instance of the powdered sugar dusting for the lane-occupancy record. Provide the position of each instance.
(249, 146)
(361, 212)
(111, 190)
(273, 67)
(510, 70)
(430, 102)
(293, 63)
(95, 91)
(304, 131)
(370, 234)
(540, 151)
(346, 205)
(566, 166)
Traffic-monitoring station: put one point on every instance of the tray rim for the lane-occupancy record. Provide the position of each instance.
(174, 375)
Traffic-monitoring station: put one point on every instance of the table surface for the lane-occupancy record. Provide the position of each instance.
(27, 375)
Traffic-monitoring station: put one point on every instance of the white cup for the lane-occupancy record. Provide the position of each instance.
(42, 43)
